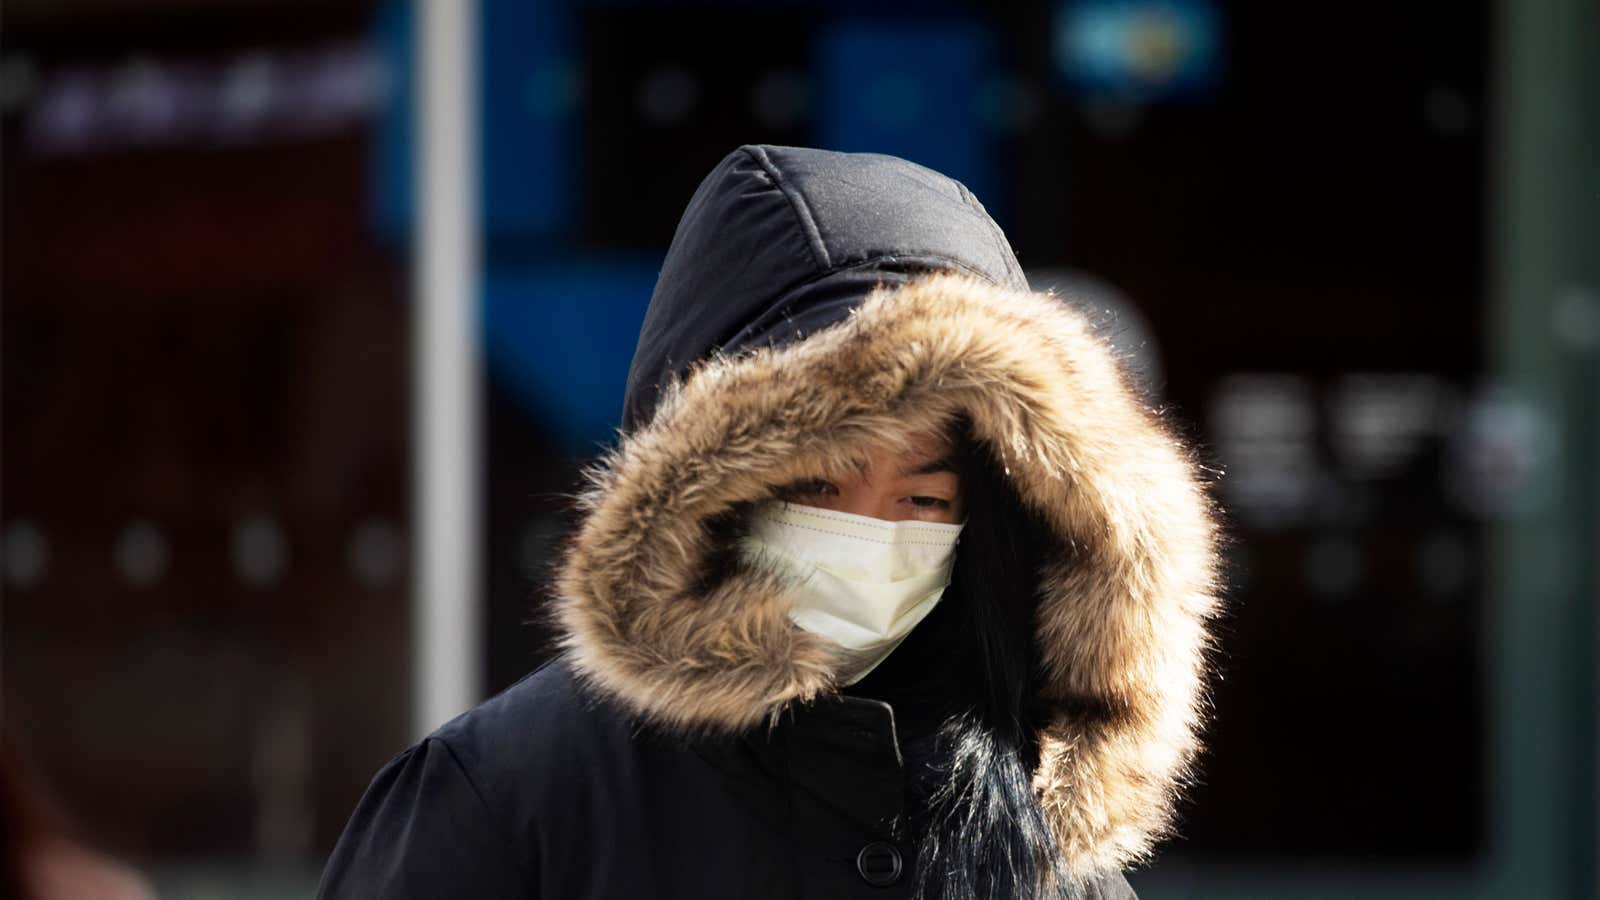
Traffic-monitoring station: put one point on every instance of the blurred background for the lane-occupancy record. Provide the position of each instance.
(1355, 247)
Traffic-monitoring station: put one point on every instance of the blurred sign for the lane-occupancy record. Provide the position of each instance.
(256, 97)
(1138, 50)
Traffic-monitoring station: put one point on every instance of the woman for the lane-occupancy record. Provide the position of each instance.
(892, 587)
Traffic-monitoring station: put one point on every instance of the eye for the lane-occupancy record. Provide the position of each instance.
(929, 502)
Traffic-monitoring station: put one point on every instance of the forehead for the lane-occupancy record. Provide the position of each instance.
(925, 445)
(923, 453)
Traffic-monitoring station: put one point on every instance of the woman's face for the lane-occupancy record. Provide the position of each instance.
(920, 484)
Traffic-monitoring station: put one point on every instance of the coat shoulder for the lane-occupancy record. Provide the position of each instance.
(461, 812)
(508, 800)
(544, 727)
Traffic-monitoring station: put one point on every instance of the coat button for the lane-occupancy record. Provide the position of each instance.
(879, 864)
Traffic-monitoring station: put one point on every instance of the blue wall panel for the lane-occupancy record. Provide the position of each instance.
(559, 337)
(911, 89)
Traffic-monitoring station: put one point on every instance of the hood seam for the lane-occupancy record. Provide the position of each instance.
(797, 203)
(932, 262)
(1007, 253)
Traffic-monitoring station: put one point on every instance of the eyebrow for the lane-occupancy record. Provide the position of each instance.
(941, 464)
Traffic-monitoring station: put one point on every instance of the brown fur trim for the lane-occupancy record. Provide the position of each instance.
(1121, 626)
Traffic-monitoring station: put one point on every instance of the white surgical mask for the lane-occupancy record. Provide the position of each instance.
(862, 583)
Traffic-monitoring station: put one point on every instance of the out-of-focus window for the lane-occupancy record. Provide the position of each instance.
(205, 440)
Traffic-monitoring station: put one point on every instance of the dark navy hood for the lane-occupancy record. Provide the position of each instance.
(779, 242)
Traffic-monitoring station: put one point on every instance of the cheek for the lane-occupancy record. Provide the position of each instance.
(827, 501)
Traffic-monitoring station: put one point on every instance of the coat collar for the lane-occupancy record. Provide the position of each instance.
(842, 753)
(846, 751)
(656, 612)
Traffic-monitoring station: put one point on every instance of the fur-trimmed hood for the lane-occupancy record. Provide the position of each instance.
(1121, 621)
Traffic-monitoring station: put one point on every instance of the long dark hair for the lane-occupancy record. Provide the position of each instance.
(983, 834)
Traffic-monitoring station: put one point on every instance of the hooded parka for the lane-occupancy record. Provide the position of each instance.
(688, 741)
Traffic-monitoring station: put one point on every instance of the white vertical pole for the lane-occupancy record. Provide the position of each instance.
(445, 367)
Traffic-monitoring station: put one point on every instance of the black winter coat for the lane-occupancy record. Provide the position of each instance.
(689, 741)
